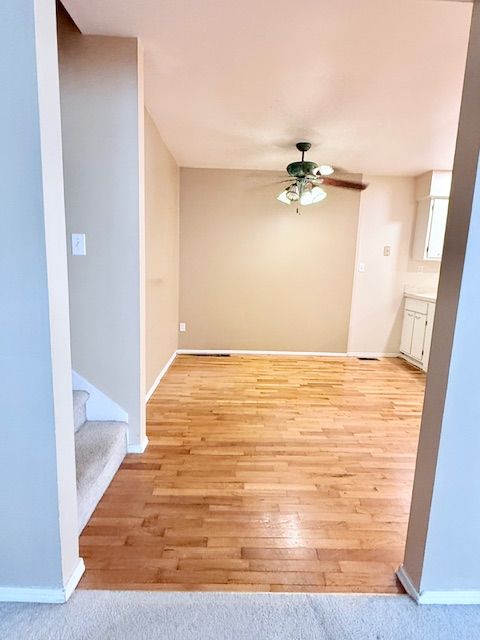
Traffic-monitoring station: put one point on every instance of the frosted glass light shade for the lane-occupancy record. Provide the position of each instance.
(306, 198)
(324, 170)
(318, 195)
(283, 197)
(293, 193)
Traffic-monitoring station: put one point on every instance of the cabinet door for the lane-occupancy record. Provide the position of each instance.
(418, 337)
(428, 335)
(422, 225)
(438, 221)
(407, 332)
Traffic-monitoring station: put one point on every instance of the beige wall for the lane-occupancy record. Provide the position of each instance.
(161, 235)
(102, 131)
(254, 274)
(387, 216)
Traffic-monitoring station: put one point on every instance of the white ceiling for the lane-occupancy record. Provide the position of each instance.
(375, 85)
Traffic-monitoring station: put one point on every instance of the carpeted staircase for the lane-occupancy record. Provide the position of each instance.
(99, 450)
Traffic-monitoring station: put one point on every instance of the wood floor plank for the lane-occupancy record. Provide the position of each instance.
(264, 474)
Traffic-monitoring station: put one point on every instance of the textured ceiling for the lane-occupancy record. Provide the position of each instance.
(375, 85)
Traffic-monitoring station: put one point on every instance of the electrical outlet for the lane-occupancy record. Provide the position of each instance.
(183, 327)
(361, 267)
(386, 250)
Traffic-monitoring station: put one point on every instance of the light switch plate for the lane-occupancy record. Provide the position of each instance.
(79, 244)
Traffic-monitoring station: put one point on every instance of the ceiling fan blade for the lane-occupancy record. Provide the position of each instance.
(344, 184)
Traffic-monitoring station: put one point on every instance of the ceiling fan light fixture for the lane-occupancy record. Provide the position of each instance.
(324, 170)
(283, 197)
(293, 193)
(318, 195)
(305, 178)
(306, 199)
(307, 195)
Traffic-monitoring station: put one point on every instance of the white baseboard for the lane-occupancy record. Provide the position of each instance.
(436, 597)
(160, 376)
(36, 594)
(74, 579)
(369, 354)
(138, 447)
(251, 352)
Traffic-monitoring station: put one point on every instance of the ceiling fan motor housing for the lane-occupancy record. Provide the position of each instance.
(301, 169)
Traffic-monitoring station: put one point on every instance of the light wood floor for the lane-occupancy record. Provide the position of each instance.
(264, 474)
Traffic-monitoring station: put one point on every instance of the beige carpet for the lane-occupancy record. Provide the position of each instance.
(135, 615)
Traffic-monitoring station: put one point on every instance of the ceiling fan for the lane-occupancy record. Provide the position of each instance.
(306, 178)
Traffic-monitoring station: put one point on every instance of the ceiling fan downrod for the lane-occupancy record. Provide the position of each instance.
(303, 147)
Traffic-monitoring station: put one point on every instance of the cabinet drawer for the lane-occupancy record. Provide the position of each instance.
(418, 306)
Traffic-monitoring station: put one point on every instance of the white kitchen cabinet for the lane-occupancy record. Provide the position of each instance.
(417, 331)
(418, 336)
(436, 234)
(430, 229)
(407, 332)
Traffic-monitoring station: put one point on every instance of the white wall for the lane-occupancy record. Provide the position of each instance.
(38, 531)
(442, 557)
(102, 126)
(162, 251)
(386, 218)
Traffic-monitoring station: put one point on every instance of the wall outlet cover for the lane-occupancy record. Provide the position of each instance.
(183, 327)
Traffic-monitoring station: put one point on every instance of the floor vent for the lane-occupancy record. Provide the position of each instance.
(366, 358)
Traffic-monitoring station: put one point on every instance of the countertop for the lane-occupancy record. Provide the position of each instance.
(427, 296)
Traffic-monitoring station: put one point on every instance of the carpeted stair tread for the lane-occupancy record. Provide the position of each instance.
(99, 449)
(79, 408)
